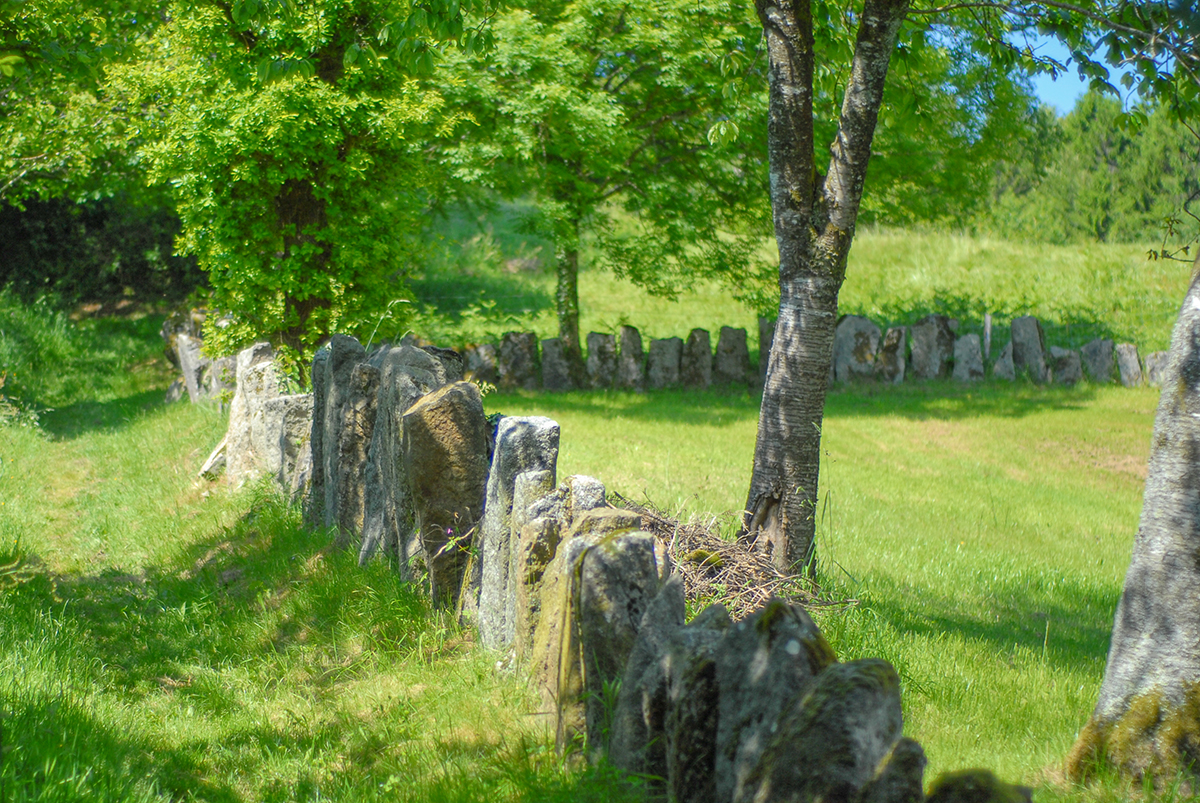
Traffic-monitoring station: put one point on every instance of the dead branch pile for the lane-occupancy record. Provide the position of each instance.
(729, 572)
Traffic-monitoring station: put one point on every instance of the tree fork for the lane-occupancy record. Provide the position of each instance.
(814, 228)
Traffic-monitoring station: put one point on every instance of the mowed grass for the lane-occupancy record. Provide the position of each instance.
(488, 278)
(166, 638)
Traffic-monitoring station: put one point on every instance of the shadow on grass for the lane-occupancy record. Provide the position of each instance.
(943, 400)
(499, 299)
(82, 418)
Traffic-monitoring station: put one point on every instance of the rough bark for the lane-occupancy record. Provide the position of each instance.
(814, 226)
(1147, 718)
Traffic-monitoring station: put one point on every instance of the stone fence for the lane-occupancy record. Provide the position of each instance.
(392, 455)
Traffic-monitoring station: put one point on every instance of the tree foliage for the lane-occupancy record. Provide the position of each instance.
(293, 137)
(1101, 179)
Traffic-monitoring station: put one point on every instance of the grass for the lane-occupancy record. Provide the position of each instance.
(164, 638)
(488, 277)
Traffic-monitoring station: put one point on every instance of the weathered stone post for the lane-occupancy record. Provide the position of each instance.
(1147, 719)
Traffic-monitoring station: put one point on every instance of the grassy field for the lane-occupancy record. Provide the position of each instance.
(167, 638)
(488, 278)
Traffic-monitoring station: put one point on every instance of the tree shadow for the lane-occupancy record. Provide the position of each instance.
(918, 400)
(85, 417)
(497, 299)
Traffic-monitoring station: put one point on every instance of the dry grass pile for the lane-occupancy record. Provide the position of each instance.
(732, 573)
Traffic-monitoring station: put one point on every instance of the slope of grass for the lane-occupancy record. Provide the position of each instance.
(488, 277)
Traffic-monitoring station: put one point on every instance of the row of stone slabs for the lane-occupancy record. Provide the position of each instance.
(929, 349)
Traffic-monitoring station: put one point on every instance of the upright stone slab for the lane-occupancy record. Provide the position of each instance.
(968, 359)
(529, 488)
(663, 367)
(932, 347)
(522, 444)
(580, 493)
(693, 707)
(556, 369)
(1098, 361)
(481, 363)
(342, 355)
(518, 364)
(1029, 349)
(1129, 365)
(731, 365)
(219, 377)
(618, 577)
(406, 373)
(354, 444)
(891, 358)
(855, 343)
(535, 549)
(631, 364)
(257, 382)
(1156, 368)
(828, 743)
(601, 359)
(445, 460)
(314, 500)
(192, 363)
(453, 366)
(766, 336)
(1003, 369)
(763, 663)
(1065, 366)
(286, 427)
(695, 364)
(638, 731)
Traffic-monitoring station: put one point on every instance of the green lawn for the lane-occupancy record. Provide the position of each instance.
(166, 638)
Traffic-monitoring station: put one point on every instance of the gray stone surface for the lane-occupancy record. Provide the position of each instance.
(175, 392)
(968, 359)
(1156, 368)
(257, 381)
(286, 425)
(932, 347)
(445, 460)
(828, 743)
(1065, 366)
(618, 578)
(581, 493)
(214, 465)
(601, 359)
(1003, 368)
(522, 444)
(731, 364)
(662, 370)
(631, 364)
(406, 373)
(763, 663)
(855, 343)
(452, 363)
(192, 363)
(331, 396)
(604, 521)
(481, 363)
(354, 433)
(901, 778)
(891, 358)
(556, 369)
(693, 705)
(1098, 361)
(1029, 349)
(637, 743)
(314, 499)
(529, 488)
(534, 550)
(1129, 365)
(518, 363)
(695, 364)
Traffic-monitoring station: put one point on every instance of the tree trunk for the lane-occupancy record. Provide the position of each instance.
(1147, 719)
(300, 212)
(814, 227)
(566, 305)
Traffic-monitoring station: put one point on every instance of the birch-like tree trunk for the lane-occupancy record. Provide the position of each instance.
(814, 226)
